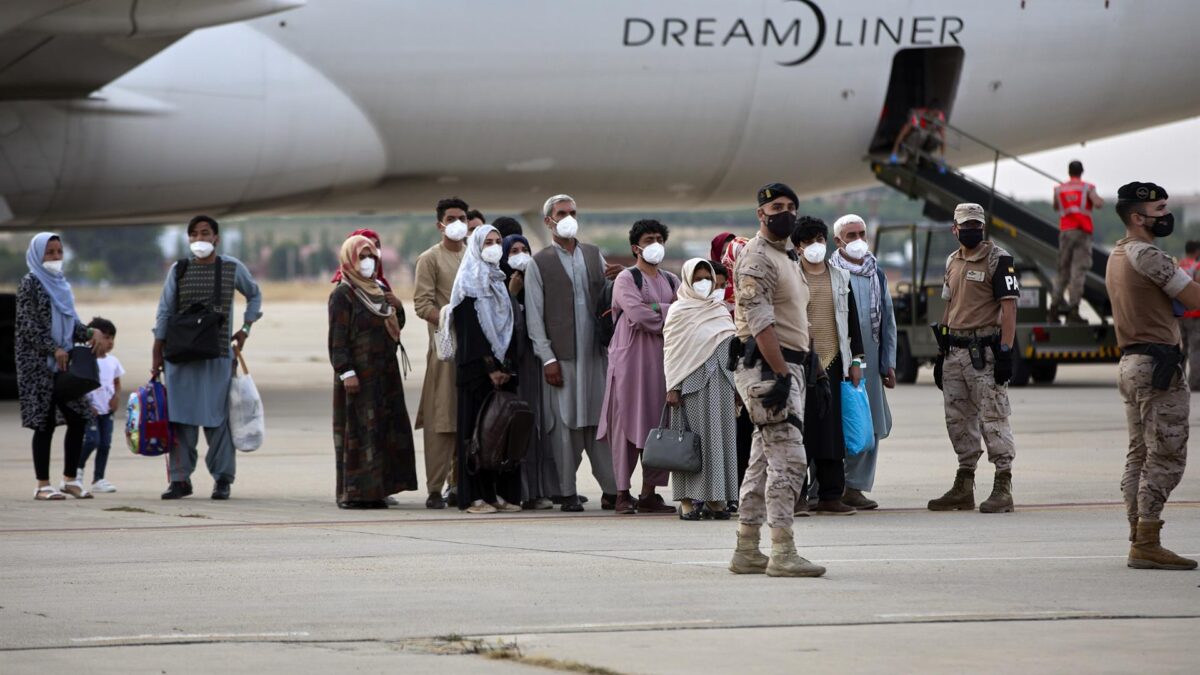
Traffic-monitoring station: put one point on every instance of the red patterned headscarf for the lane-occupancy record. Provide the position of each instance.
(369, 234)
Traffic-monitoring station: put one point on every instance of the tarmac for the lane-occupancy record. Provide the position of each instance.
(279, 580)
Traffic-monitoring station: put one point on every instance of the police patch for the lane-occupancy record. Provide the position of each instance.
(976, 275)
(1143, 193)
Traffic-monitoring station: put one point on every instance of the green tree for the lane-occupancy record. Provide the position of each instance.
(127, 255)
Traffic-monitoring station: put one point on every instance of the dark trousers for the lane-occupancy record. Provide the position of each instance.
(825, 442)
(98, 439)
(73, 445)
(745, 435)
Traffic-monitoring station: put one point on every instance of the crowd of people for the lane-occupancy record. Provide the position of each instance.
(748, 349)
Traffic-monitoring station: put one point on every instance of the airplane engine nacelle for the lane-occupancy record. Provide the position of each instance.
(222, 137)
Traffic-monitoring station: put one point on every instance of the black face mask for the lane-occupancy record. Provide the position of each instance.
(780, 225)
(1161, 226)
(970, 237)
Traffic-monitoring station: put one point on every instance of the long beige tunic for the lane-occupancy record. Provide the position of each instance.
(436, 269)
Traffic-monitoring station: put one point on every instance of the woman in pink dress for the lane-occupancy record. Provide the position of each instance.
(635, 389)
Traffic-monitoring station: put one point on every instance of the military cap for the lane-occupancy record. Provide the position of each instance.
(968, 211)
(772, 191)
(1141, 192)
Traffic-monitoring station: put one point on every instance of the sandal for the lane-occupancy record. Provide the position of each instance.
(48, 493)
(693, 515)
(75, 489)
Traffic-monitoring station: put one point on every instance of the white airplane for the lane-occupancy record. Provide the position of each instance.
(122, 111)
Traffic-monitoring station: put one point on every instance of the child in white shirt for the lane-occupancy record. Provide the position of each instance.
(104, 402)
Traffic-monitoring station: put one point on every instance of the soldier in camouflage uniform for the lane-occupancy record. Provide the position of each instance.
(772, 327)
(1142, 280)
(974, 362)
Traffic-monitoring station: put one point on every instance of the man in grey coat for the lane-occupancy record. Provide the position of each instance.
(878, 322)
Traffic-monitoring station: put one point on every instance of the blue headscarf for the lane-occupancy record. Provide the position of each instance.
(62, 300)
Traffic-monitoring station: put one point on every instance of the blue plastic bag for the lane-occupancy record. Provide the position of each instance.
(857, 425)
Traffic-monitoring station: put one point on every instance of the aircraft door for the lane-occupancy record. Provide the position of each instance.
(924, 77)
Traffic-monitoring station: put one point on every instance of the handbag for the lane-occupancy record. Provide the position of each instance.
(81, 376)
(443, 336)
(672, 449)
(195, 333)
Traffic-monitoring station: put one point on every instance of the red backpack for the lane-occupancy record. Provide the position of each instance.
(148, 426)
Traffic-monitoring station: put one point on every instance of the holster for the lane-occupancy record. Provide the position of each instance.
(942, 336)
(750, 354)
(1168, 361)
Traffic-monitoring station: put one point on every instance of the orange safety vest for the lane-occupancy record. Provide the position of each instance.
(1191, 267)
(1073, 203)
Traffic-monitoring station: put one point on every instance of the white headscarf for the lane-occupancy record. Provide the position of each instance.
(485, 282)
(696, 325)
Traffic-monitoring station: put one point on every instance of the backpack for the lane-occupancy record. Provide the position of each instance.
(606, 318)
(148, 427)
(502, 431)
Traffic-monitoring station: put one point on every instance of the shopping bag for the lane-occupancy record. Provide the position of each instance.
(857, 426)
(443, 337)
(247, 425)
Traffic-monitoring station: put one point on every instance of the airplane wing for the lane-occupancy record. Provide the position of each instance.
(70, 48)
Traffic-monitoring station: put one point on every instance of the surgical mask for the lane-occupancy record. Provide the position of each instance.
(519, 261)
(780, 225)
(492, 254)
(53, 266)
(654, 253)
(858, 249)
(567, 228)
(201, 249)
(815, 253)
(1161, 226)
(456, 230)
(970, 237)
(703, 287)
(718, 295)
(366, 267)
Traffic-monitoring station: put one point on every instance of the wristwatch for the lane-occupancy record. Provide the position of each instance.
(1004, 347)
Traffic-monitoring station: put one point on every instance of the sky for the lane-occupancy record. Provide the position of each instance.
(1168, 155)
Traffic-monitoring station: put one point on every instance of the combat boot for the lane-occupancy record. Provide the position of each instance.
(1000, 501)
(960, 497)
(785, 562)
(1147, 552)
(747, 559)
(1132, 528)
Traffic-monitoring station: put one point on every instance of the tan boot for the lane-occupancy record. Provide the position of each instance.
(1132, 528)
(1000, 501)
(747, 559)
(1147, 552)
(785, 562)
(960, 497)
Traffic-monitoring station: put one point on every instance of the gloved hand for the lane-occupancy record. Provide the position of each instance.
(937, 369)
(1004, 365)
(777, 398)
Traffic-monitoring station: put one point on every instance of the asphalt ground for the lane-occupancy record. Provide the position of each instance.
(279, 580)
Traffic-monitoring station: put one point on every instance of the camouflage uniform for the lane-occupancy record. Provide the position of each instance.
(770, 291)
(1141, 281)
(1074, 260)
(975, 406)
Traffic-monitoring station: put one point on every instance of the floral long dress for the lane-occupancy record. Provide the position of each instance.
(372, 435)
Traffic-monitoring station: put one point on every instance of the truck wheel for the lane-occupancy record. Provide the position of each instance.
(1044, 373)
(1020, 376)
(906, 365)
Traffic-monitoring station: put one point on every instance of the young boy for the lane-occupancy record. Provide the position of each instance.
(104, 402)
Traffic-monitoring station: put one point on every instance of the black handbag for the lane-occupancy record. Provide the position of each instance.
(195, 333)
(81, 376)
(671, 449)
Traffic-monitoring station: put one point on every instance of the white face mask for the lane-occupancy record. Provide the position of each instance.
(654, 253)
(814, 253)
(366, 267)
(703, 287)
(456, 230)
(567, 228)
(201, 249)
(53, 266)
(519, 261)
(718, 295)
(858, 249)
(492, 254)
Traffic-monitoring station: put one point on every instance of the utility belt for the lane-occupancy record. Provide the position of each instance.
(1168, 361)
(747, 352)
(974, 341)
(748, 356)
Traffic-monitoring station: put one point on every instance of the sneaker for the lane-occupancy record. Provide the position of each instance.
(103, 486)
(833, 507)
(539, 504)
(506, 507)
(391, 501)
(450, 497)
(481, 506)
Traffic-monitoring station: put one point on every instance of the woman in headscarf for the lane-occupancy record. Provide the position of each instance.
(483, 327)
(379, 276)
(539, 476)
(47, 328)
(372, 436)
(696, 345)
(726, 247)
(730, 248)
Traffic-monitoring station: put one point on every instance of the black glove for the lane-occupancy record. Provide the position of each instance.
(1004, 365)
(937, 369)
(777, 398)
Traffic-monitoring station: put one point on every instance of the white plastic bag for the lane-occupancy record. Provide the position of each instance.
(247, 424)
(443, 337)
